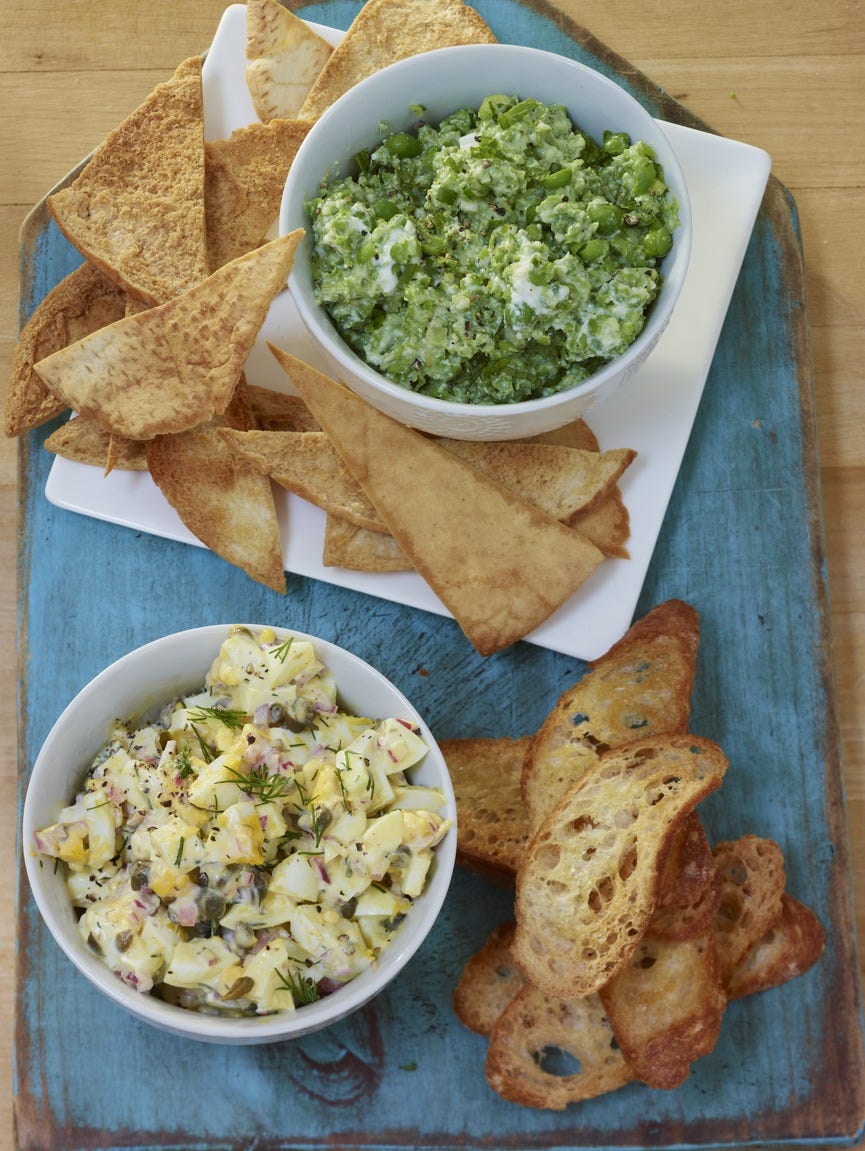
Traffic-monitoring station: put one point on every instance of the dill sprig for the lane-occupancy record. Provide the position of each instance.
(260, 784)
(302, 990)
(207, 752)
(231, 717)
(281, 652)
(184, 766)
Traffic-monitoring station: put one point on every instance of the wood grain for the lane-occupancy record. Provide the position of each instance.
(781, 75)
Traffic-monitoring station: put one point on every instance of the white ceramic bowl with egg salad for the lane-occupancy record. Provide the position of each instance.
(510, 245)
(258, 846)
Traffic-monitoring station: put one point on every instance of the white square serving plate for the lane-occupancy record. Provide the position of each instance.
(653, 414)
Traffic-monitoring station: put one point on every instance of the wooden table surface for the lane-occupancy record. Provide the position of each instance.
(780, 74)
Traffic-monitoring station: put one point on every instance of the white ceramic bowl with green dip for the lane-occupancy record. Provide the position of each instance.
(537, 265)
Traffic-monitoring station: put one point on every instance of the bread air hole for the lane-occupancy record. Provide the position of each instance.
(602, 894)
(556, 1061)
(579, 825)
(629, 863)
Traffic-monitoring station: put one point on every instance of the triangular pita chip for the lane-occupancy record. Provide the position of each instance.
(359, 549)
(576, 434)
(385, 31)
(283, 59)
(83, 302)
(307, 464)
(224, 501)
(557, 479)
(137, 208)
(175, 366)
(607, 524)
(561, 480)
(280, 411)
(500, 565)
(244, 178)
(84, 441)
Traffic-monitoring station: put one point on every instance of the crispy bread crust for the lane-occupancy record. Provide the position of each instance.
(641, 686)
(588, 884)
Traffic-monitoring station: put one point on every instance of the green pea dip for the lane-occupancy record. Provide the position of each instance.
(499, 256)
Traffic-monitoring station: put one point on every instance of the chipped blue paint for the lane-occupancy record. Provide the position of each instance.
(742, 541)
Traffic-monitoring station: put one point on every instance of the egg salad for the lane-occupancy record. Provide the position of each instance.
(254, 847)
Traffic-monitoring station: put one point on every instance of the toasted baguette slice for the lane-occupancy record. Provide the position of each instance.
(690, 891)
(531, 1029)
(753, 880)
(492, 825)
(688, 920)
(588, 883)
(788, 949)
(642, 685)
(489, 980)
(666, 1006)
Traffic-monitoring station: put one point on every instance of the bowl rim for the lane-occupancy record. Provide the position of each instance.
(325, 332)
(178, 1020)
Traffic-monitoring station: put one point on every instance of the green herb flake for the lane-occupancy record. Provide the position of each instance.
(232, 718)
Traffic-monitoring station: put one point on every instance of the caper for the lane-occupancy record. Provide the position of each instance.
(122, 940)
(241, 987)
(211, 905)
(348, 908)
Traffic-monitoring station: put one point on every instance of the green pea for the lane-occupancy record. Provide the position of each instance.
(433, 245)
(608, 217)
(657, 241)
(629, 248)
(640, 176)
(534, 231)
(558, 179)
(403, 146)
(616, 142)
(447, 196)
(594, 249)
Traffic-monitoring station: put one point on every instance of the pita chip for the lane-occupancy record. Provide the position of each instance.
(173, 367)
(606, 523)
(284, 57)
(307, 464)
(388, 30)
(280, 411)
(360, 549)
(225, 502)
(561, 480)
(500, 565)
(577, 434)
(83, 302)
(137, 208)
(244, 178)
(84, 441)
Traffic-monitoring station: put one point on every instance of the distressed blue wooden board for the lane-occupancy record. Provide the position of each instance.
(742, 541)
